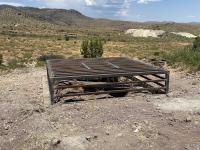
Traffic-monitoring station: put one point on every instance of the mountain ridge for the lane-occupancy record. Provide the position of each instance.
(11, 15)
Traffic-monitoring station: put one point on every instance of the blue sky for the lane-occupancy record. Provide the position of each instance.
(133, 10)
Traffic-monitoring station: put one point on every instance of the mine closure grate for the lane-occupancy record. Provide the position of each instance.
(114, 76)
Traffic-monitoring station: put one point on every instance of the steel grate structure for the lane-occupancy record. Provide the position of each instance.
(114, 76)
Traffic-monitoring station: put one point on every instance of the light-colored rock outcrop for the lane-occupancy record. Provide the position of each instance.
(155, 33)
(145, 33)
(185, 34)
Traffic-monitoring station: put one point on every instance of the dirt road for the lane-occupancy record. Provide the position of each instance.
(138, 121)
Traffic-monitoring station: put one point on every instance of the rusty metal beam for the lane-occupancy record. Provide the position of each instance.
(102, 74)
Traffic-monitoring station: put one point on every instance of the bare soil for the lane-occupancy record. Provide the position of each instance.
(138, 121)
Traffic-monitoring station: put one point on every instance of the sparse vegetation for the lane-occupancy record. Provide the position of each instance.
(43, 58)
(46, 57)
(66, 37)
(1, 59)
(14, 63)
(92, 48)
(186, 57)
(196, 44)
(37, 42)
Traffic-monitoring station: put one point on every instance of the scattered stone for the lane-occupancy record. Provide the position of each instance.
(88, 138)
(196, 122)
(39, 110)
(188, 119)
(148, 100)
(75, 142)
(95, 137)
(55, 142)
(137, 129)
(119, 135)
(107, 133)
(7, 127)
(146, 122)
(194, 83)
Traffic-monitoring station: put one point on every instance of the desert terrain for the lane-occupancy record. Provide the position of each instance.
(138, 121)
(142, 121)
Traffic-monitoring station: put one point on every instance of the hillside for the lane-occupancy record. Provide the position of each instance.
(32, 19)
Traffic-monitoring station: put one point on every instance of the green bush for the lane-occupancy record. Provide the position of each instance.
(66, 37)
(92, 48)
(1, 59)
(196, 44)
(45, 57)
(184, 57)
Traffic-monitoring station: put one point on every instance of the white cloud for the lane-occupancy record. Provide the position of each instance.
(90, 2)
(146, 1)
(11, 3)
(123, 11)
(67, 4)
(191, 16)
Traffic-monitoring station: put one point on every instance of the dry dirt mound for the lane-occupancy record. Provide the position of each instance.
(155, 33)
(144, 33)
(185, 34)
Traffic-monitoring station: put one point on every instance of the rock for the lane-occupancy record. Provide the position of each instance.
(119, 135)
(145, 33)
(55, 142)
(95, 137)
(194, 83)
(188, 119)
(88, 138)
(196, 122)
(137, 129)
(107, 133)
(148, 100)
(75, 142)
(39, 110)
(185, 34)
(146, 122)
(7, 127)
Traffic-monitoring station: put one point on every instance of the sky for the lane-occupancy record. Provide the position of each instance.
(130, 10)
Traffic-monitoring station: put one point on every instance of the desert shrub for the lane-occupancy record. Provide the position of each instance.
(1, 59)
(184, 57)
(196, 44)
(14, 63)
(66, 37)
(92, 48)
(45, 57)
(27, 55)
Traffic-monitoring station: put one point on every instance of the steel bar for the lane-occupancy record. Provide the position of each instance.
(95, 84)
(112, 91)
(101, 75)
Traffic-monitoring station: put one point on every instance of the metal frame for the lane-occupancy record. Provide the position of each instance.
(72, 77)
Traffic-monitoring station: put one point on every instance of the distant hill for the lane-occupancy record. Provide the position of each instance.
(29, 18)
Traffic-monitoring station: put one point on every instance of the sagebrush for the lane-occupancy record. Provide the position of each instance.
(184, 57)
(92, 48)
(196, 44)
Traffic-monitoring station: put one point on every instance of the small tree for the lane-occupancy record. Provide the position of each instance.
(92, 48)
(196, 44)
(1, 59)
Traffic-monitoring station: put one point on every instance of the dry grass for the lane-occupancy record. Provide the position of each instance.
(25, 49)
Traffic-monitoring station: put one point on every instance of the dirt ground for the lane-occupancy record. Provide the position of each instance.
(138, 121)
